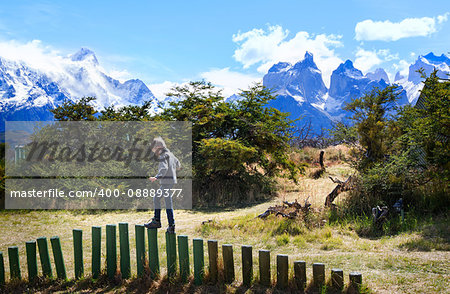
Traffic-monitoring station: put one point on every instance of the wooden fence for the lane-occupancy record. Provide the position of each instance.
(282, 261)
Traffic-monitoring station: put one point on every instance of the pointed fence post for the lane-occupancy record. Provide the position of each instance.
(140, 248)
(96, 251)
(199, 261)
(14, 264)
(78, 253)
(213, 253)
(153, 255)
(111, 251)
(58, 256)
(125, 268)
(32, 266)
(45, 257)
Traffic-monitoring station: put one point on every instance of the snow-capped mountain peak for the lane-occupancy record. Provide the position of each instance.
(436, 60)
(28, 93)
(378, 75)
(302, 81)
(84, 54)
(428, 63)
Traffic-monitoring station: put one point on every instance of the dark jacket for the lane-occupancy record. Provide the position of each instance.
(167, 169)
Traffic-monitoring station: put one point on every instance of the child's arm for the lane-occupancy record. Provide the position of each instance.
(177, 164)
(163, 168)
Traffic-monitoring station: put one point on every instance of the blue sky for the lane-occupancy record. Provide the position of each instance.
(230, 43)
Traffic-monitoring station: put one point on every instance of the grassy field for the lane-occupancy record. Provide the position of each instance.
(415, 261)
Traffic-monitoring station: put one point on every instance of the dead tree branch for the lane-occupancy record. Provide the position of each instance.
(341, 187)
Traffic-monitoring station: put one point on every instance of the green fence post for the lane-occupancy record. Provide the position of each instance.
(32, 266)
(213, 253)
(282, 271)
(2, 270)
(300, 274)
(140, 248)
(45, 257)
(125, 268)
(228, 262)
(319, 274)
(171, 251)
(199, 261)
(96, 251)
(58, 256)
(337, 278)
(111, 251)
(264, 268)
(14, 264)
(247, 265)
(183, 257)
(153, 255)
(78, 252)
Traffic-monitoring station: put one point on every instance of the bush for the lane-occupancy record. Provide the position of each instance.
(400, 153)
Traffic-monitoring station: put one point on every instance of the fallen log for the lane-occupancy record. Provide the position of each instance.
(290, 210)
(341, 187)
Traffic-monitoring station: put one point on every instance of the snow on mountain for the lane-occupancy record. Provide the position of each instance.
(27, 93)
(347, 83)
(301, 91)
(398, 77)
(302, 81)
(428, 63)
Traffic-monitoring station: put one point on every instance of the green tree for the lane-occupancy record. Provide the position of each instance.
(239, 146)
(80, 110)
(401, 153)
(374, 124)
(426, 127)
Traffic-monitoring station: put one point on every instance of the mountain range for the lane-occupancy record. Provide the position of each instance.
(301, 91)
(27, 93)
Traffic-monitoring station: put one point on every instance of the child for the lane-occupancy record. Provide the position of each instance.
(167, 176)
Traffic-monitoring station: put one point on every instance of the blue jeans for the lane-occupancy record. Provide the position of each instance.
(168, 202)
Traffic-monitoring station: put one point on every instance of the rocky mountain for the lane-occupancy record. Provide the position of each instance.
(302, 92)
(413, 82)
(28, 93)
(302, 81)
(378, 75)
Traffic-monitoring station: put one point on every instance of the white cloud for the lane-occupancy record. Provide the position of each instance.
(369, 30)
(121, 75)
(230, 81)
(366, 60)
(265, 48)
(160, 90)
(402, 66)
(34, 54)
(443, 18)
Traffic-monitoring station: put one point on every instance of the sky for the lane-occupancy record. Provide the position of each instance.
(229, 43)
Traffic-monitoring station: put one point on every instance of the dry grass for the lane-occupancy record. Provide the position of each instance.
(405, 263)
